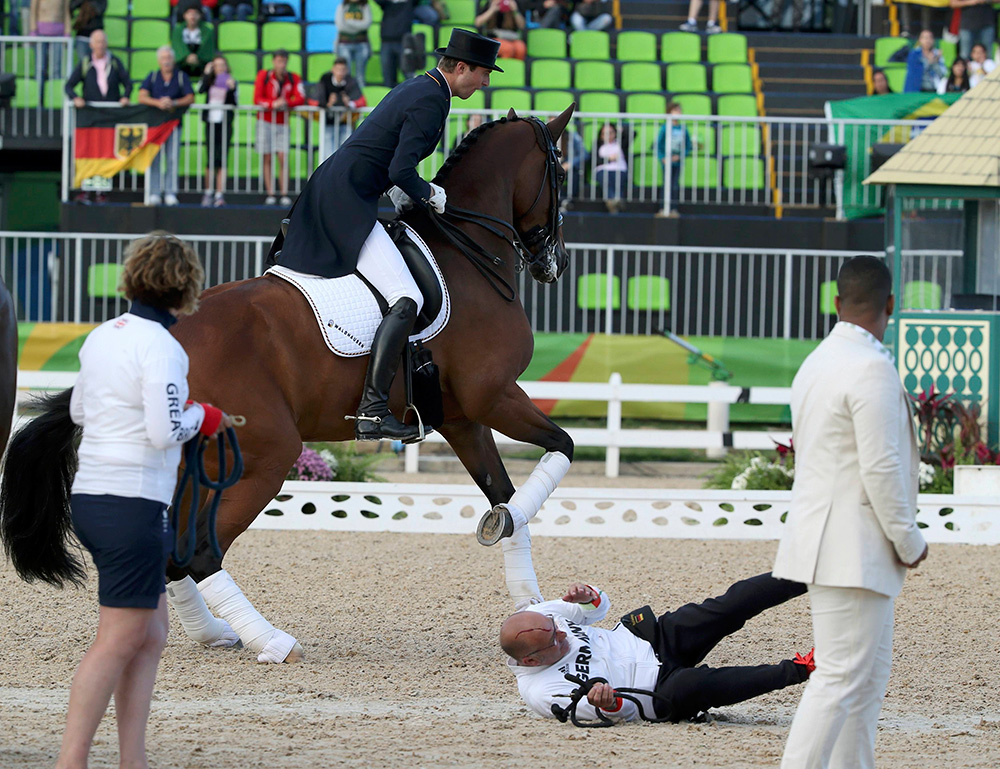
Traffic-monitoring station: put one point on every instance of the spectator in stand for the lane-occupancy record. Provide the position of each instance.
(193, 41)
(958, 78)
(220, 87)
(924, 66)
(691, 25)
(934, 15)
(610, 174)
(430, 12)
(89, 17)
(574, 163)
(397, 21)
(104, 78)
(49, 18)
(592, 14)
(501, 20)
(880, 83)
(354, 17)
(548, 14)
(978, 25)
(979, 65)
(680, 148)
(472, 122)
(341, 95)
(205, 6)
(276, 90)
(168, 89)
(778, 13)
(238, 10)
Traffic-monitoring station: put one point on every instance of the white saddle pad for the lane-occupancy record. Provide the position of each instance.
(346, 310)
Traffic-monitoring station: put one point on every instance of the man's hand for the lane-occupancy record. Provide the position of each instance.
(79, 102)
(279, 103)
(191, 58)
(580, 593)
(123, 101)
(438, 199)
(603, 696)
(166, 103)
(916, 563)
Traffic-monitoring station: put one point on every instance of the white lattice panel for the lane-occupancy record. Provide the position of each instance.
(667, 513)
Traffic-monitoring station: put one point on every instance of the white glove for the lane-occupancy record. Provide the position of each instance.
(438, 198)
(400, 200)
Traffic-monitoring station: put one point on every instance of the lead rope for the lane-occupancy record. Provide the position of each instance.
(583, 689)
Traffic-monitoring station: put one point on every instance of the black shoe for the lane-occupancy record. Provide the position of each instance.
(495, 525)
(374, 420)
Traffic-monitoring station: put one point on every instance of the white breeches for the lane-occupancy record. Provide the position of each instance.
(834, 726)
(383, 266)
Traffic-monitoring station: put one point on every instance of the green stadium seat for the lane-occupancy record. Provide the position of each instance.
(590, 44)
(592, 292)
(636, 46)
(476, 101)
(142, 62)
(374, 94)
(512, 75)
(243, 65)
(680, 47)
(19, 60)
(546, 44)
(593, 101)
(702, 133)
(647, 173)
(646, 104)
(922, 295)
(150, 33)
(376, 13)
(429, 33)
(318, 64)
(740, 140)
(732, 78)
(298, 165)
(373, 71)
(827, 293)
(25, 95)
(429, 166)
(895, 75)
(54, 95)
(727, 48)
(737, 105)
(237, 36)
(117, 8)
(594, 76)
(642, 76)
(374, 33)
(505, 98)
(461, 13)
(280, 34)
(885, 47)
(700, 173)
(150, 9)
(553, 101)
(644, 133)
(551, 73)
(294, 62)
(116, 31)
(694, 103)
(743, 173)
(444, 34)
(103, 279)
(648, 292)
(687, 77)
(244, 160)
(458, 123)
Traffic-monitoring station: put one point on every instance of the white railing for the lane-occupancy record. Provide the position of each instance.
(40, 66)
(611, 289)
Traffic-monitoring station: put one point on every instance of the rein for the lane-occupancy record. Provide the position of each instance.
(583, 689)
(480, 257)
(196, 476)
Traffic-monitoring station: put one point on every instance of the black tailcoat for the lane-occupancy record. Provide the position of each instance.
(339, 205)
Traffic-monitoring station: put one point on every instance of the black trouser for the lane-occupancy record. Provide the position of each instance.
(685, 636)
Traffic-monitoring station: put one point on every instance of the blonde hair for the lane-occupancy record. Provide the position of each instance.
(162, 271)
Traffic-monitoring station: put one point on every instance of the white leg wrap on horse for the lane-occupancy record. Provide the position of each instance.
(519, 569)
(225, 598)
(198, 622)
(528, 499)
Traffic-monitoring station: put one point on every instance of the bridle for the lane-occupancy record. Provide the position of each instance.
(537, 248)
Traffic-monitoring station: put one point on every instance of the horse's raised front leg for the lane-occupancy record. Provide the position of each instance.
(474, 445)
(514, 415)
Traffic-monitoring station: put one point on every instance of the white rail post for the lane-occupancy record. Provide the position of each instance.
(787, 317)
(718, 421)
(612, 460)
(411, 458)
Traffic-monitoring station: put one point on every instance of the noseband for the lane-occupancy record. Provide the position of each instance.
(534, 248)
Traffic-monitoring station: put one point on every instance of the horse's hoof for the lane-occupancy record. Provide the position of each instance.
(494, 526)
(297, 654)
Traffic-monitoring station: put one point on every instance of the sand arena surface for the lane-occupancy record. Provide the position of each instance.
(403, 668)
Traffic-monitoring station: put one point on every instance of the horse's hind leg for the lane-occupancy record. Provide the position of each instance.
(474, 445)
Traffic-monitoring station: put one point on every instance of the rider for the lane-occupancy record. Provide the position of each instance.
(333, 228)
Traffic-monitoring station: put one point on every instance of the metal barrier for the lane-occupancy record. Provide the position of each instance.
(40, 66)
(611, 289)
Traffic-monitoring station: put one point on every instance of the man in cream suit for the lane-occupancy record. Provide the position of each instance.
(851, 530)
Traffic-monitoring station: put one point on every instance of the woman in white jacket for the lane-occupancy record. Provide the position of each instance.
(131, 402)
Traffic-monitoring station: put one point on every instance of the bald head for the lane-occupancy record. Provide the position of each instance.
(864, 291)
(98, 43)
(532, 639)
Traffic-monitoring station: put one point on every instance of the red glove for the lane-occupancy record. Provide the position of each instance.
(213, 417)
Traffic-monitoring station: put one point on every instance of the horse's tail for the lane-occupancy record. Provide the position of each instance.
(35, 523)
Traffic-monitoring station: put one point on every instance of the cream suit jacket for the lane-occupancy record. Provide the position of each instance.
(854, 500)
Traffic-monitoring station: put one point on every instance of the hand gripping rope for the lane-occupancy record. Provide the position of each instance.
(194, 473)
(583, 689)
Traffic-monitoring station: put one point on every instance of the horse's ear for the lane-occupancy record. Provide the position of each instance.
(511, 115)
(558, 124)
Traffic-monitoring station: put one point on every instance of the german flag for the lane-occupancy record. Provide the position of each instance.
(109, 139)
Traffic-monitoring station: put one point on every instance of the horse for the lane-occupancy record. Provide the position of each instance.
(256, 349)
(8, 364)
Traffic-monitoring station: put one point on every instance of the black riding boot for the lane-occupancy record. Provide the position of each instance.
(374, 420)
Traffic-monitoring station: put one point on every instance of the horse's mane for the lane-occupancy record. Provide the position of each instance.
(465, 145)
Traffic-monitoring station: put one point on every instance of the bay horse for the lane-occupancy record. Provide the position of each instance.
(255, 348)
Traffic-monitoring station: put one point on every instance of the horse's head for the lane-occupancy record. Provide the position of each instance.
(536, 200)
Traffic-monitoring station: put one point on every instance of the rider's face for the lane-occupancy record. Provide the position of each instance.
(468, 80)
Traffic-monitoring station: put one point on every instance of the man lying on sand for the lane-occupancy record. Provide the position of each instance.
(644, 652)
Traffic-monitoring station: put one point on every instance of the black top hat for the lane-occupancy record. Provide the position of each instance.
(472, 49)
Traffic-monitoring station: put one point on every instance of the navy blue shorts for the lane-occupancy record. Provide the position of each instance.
(130, 540)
